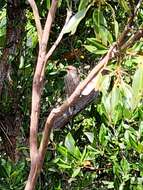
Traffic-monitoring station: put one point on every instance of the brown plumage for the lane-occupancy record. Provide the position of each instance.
(71, 79)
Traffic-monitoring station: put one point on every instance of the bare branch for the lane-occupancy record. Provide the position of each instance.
(38, 82)
(69, 13)
(37, 19)
(48, 24)
(136, 36)
(52, 49)
(80, 105)
(137, 7)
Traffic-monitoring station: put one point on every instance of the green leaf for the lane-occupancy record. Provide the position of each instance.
(96, 43)
(74, 21)
(77, 153)
(141, 129)
(124, 5)
(21, 62)
(140, 148)
(15, 174)
(98, 19)
(116, 26)
(83, 154)
(8, 168)
(64, 166)
(128, 95)
(113, 104)
(94, 50)
(137, 85)
(100, 24)
(105, 84)
(109, 37)
(133, 141)
(102, 135)
(76, 172)
(83, 4)
(3, 20)
(48, 3)
(70, 143)
(3, 172)
(90, 136)
(115, 97)
(90, 48)
(101, 52)
(117, 169)
(62, 150)
(125, 165)
(103, 33)
(107, 104)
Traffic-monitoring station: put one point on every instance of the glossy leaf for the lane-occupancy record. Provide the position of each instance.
(128, 95)
(101, 27)
(105, 84)
(74, 21)
(70, 143)
(115, 97)
(83, 4)
(137, 85)
(94, 50)
(90, 136)
(96, 43)
(21, 62)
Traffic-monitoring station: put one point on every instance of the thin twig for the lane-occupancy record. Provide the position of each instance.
(50, 52)
(37, 19)
(123, 35)
(48, 24)
(52, 49)
(137, 35)
(137, 7)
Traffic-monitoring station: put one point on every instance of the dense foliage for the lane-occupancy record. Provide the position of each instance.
(102, 147)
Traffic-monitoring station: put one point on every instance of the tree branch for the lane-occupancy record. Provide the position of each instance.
(48, 24)
(52, 49)
(123, 35)
(37, 19)
(50, 52)
(59, 112)
(59, 116)
(80, 105)
(136, 36)
(38, 82)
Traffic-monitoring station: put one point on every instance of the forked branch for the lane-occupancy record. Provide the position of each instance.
(37, 155)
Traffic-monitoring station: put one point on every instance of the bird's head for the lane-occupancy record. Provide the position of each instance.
(71, 68)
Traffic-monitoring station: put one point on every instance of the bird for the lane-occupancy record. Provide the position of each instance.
(71, 79)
